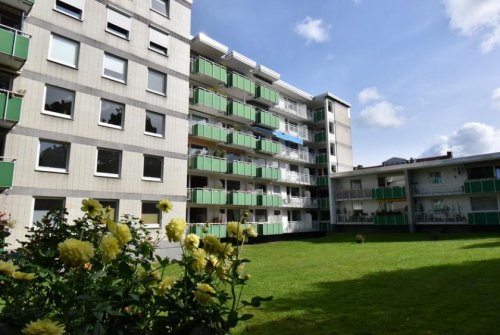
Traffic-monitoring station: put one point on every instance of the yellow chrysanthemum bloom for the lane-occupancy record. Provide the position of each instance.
(74, 252)
(164, 205)
(203, 293)
(199, 260)
(213, 261)
(191, 241)
(240, 268)
(250, 231)
(23, 276)
(43, 327)
(109, 247)
(211, 244)
(165, 285)
(154, 275)
(226, 249)
(122, 233)
(111, 225)
(235, 229)
(175, 229)
(92, 207)
(7, 268)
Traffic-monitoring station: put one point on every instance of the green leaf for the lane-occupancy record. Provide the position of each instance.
(246, 317)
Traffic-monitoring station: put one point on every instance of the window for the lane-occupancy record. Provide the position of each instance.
(59, 101)
(118, 23)
(73, 8)
(150, 215)
(356, 184)
(112, 204)
(5, 81)
(260, 215)
(155, 124)
(435, 177)
(53, 156)
(111, 114)
(64, 51)
(115, 68)
(332, 149)
(484, 203)
(108, 162)
(160, 6)
(157, 82)
(481, 172)
(331, 128)
(44, 205)
(158, 41)
(233, 185)
(153, 168)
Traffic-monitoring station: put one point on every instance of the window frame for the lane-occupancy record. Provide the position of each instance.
(159, 48)
(115, 31)
(110, 125)
(68, 13)
(159, 214)
(55, 60)
(162, 93)
(56, 114)
(47, 198)
(106, 174)
(116, 201)
(104, 75)
(149, 178)
(167, 6)
(162, 135)
(42, 168)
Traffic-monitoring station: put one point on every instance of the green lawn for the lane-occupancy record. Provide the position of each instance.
(392, 284)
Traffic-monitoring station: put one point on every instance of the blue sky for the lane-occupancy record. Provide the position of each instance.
(422, 76)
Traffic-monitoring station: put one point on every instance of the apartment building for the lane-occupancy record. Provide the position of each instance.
(418, 193)
(94, 101)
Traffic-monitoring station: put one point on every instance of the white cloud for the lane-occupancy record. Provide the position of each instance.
(473, 17)
(472, 139)
(423, 101)
(495, 98)
(369, 94)
(313, 30)
(382, 114)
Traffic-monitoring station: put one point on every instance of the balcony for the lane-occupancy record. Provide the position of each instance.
(14, 46)
(10, 109)
(298, 202)
(269, 200)
(321, 159)
(324, 203)
(438, 189)
(209, 132)
(270, 228)
(301, 226)
(268, 147)
(242, 169)
(482, 186)
(243, 140)
(241, 111)
(484, 218)
(6, 173)
(24, 5)
(266, 95)
(208, 163)
(206, 69)
(235, 80)
(241, 198)
(267, 120)
(206, 196)
(209, 101)
(319, 115)
(353, 194)
(293, 108)
(354, 219)
(322, 181)
(391, 219)
(202, 229)
(441, 218)
(297, 178)
(320, 136)
(296, 155)
(382, 193)
(297, 131)
(267, 172)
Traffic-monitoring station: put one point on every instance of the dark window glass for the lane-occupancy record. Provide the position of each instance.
(155, 123)
(44, 205)
(158, 48)
(150, 214)
(108, 161)
(153, 166)
(198, 181)
(11, 17)
(5, 81)
(59, 100)
(157, 81)
(118, 30)
(68, 9)
(161, 6)
(112, 113)
(481, 172)
(233, 185)
(113, 204)
(53, 155)
(198, 215)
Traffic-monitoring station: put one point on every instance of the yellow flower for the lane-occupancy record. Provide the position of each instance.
(240, 268)
(250, 231)
(23, 276)
(165, 285)
(122, 233)
(213, 261)
(200, 260)
(235, 229)
(164, 205)
(74, 252)
(153, 275)
(7, 268)
(175, 229)
(92, 207)
(110, 225)
(211, 244)
(109, 247)
(203, 293)
(191, 241)
(226, 249)
(43, 327)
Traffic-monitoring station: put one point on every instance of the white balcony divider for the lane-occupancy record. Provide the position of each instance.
(438, 189)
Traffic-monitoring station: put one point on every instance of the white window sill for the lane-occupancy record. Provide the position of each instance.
(51, 170)
(69, 15)
(62, 116)
(158, 180)
(152, 225)
(71, 66)
(117, 34)
(156, 92)
(153, 134)
(159, 52)
(108, 125)
(114, 79)
(107, 175)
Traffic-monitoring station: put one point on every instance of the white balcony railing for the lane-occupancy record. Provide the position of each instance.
(299, 202)
(299, 226)
(297, 155)
(438, 189)
(441, 218)
(353, 194)
(296, 130)
(298, 178)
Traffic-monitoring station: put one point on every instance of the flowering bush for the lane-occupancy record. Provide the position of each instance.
(97, 276)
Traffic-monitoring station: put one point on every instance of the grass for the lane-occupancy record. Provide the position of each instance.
(392, 284)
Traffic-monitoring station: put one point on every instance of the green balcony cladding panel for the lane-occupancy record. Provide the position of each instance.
(209, 99)
(401, 219)
(208, 68)
(242, 199)
(242, 139)
(484, 218)
(267, 172)
(266, 93)
(321, 159)
(210, 132)
(235, 80)
(319, 115)
(236, 108)
(207, 163)
(15, 46)
(320, 136)
(482, 186)
(270, 228)
(322, 181)
(268, 146)
(397, 192)
(217, 229)
(324, 203)
(10, 109)
(269, 200)
(242, 169)
(208, 197)
(267, 120)
(6, 174)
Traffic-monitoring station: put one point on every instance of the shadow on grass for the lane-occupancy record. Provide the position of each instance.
(450, 299)
(483, 245)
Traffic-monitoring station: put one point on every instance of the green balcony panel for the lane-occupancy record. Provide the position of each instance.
(235, 80)
(208, 68)
(6, 174)
(208, 197)
(242, 139)
(324, 203)
(268, 146)
(321, 159)
(270, 228)
(242, 199)
(267, 172)
(209, 99)
(219, 230)
(269, 200)
(210, 132)
(239, 109)
(267, 120)
(319, 115)
(320, 136)
(322, 181)
(10, 109)
(242, 169)
(482, 186)
(396, 192)
(14, 47)
(391, 219)
(207, 163)
(484, 218)
(268, 94)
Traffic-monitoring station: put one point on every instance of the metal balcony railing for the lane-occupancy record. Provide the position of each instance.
(441, 218)
(354, 219)
(297, 155)
(298, 178)
(353, 194)
(438, 189)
